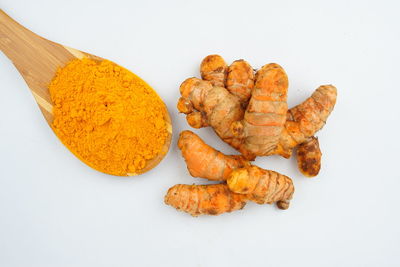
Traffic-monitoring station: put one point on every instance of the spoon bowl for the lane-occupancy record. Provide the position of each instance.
(38, 59)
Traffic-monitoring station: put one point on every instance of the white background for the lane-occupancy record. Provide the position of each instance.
(56, 211)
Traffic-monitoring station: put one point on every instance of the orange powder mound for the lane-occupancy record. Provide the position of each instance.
(107, 116)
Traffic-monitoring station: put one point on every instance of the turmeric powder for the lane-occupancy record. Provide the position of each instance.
(107, 116)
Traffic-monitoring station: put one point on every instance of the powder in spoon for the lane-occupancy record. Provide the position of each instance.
(107, 116)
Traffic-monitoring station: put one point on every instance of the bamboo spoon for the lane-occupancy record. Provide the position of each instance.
(38, 59)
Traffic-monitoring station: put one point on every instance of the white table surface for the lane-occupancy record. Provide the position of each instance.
(56, 211)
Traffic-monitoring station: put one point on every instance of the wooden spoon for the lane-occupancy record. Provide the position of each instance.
(38, 59)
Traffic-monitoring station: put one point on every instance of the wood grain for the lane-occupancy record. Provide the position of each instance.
(37, 59)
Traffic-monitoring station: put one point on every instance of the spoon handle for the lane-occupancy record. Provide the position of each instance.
(36, 58)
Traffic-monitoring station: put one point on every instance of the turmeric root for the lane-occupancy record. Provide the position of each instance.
(265, 115)
(214, 69)
(206, 162)
(309, 157)
(240, 80)
(262, 186)
(253, 132)
(304, 120)
(219, 99)
(259, 185)
(206, 104)
(215, 199)
(212, 199)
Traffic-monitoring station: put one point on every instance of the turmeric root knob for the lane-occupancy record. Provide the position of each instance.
(262, 186)
(214, 69)
(212, 199)
(196, 120)
(240, 80)
(184, 105)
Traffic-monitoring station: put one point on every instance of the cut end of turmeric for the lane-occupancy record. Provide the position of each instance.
(309, 157)
(107, 116)
(238, 181)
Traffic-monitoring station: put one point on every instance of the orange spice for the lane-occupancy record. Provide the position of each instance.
(107, 116)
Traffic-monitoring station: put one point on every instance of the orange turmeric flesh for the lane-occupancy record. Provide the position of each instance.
(107, 116)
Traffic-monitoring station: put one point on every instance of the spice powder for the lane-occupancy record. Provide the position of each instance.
(107, 116)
